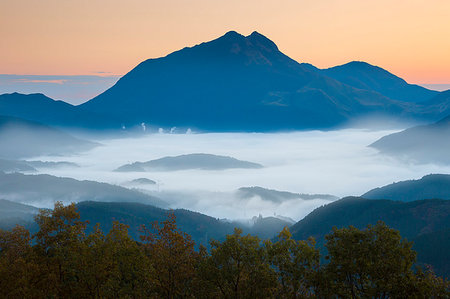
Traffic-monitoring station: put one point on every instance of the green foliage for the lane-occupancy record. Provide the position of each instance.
(296, 264)
(238, 268)
(65, 262)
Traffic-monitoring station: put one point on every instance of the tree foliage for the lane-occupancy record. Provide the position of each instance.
(62, 261)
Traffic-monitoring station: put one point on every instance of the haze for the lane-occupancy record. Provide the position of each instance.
(335, 162)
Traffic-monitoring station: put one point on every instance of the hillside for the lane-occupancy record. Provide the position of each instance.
(413, 220)
(189, 161)
(423, 144)
(362, 75)
(43, 190)
(428, 187)
(40, 108)
(17, 134)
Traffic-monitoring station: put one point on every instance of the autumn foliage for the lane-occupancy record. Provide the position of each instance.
(62, 261)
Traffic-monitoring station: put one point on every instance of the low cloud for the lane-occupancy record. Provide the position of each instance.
(311, 162)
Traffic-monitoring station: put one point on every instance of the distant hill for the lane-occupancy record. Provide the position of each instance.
(202, 228)
(279, 196)
(15, 166)
(424, 144)
(12, 213)
(189, 161)
(413, 219)
(362, 75)
(40, 108)
(429, 187)
(43, 190)
(238, 83)
(16, 136)
(30, 166)
(143, 181)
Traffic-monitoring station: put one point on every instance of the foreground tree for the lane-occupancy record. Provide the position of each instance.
(296, 264)
(238, 268)
(17, 268)
(371, 263)
(59, 243)
(172, 257)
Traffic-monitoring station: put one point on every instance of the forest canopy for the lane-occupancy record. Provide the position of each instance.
(61, 260)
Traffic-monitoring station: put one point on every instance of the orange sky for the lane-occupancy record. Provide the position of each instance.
(410, 38)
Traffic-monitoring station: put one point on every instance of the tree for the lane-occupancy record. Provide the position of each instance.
(17, 268)
(59, 244)
(296, 264)
(238, 268)
(172, 257)
(127, 268)
(375, 262)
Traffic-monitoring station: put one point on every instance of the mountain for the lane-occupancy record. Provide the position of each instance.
(43, 190)
(12, 213)
(425, 144)
(369, 77)
(199, 226)
(202, 228)
(414, 220)
(439, 104)
(190, 161)
(40, 108)
(15, 166)
(236, 83)
(17, 134)
(30, 166)
(278, 196)
(429, 187)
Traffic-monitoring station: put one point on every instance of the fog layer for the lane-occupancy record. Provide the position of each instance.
(312, 162)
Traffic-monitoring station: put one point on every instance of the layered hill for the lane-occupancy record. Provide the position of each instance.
(429, 187)
(21, 138)
(43, 190)
(362, 75)
(425, 144)
(189, 161)
(237, 82)
(42, 109)
(421, 220)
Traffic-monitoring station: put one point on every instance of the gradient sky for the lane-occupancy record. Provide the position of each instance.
(410, 38)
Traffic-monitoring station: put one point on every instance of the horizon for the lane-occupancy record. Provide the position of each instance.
(82, 38)
(78, 89)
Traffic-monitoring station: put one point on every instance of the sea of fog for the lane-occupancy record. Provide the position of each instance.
(315, 162)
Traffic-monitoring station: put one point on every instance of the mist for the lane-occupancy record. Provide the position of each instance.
(312, 162)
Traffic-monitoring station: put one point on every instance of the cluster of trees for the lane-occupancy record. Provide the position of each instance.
(62, 261)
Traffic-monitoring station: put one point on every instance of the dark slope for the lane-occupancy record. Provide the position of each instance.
(199, 226)
(37, 107)
(235, 83)
(426, 144)
(433, 249)
(16, 136)
(412, 219)
(429, 187)
(202, 228)
(190, 161)
(439, 104)
(369, 77)
(43, 190)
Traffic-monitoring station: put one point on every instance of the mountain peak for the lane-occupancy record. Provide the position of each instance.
(259, 39)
